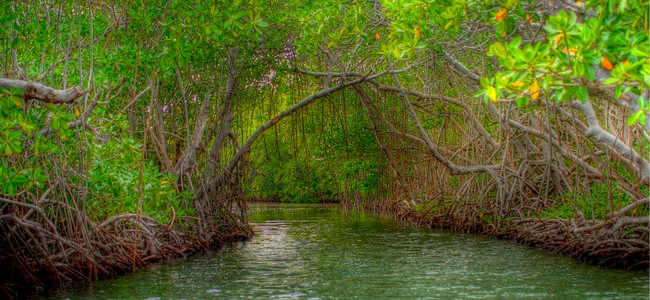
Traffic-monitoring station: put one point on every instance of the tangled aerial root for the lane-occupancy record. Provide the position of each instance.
(620, 242)
(37, 252)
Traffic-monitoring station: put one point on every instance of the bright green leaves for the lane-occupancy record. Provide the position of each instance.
(20, 131)
(498, 50)
(609, 50)
(259, 23)
(564, 30)
(113, 177)
(640, 115)
(411, 27)
(524, 64)
(12, 181)
(489, 91)
(7, 18)
(11, 122)
(211, 27)
(60, 118)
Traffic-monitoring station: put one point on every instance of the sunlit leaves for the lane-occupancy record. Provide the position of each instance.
(414, 24)
(614, 44)
(492, 94)
(111, 184)
(640, 115)
(498, 49)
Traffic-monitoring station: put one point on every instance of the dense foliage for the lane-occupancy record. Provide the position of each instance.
(488, 115)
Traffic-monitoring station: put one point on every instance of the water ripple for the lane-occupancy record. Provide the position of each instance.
(312, 252)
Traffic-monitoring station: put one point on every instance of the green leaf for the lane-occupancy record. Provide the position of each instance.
(642, 119)
(581, 93)
(618, 92)
(484, 82)
(9, 189)
(640, 51)
(499, 50)
(641, 103)
(492, 93)
(634, 118)
(16, 148)
(262, 24)
(611, 80)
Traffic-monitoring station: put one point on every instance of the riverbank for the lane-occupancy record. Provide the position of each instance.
(308, 251)
(590, 241)
(610, 244)
(120, 245)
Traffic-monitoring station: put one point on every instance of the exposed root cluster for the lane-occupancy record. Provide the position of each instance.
(620, 242)
(43, 249)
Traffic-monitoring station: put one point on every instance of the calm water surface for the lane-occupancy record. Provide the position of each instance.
(317, 252)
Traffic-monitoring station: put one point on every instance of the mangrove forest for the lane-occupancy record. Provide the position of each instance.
(138, 133)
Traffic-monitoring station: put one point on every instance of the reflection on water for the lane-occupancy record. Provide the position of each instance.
(317, 252)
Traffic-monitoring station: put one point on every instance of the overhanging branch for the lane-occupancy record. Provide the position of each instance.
(43, 93)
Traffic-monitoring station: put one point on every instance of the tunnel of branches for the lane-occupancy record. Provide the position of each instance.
(130, 116)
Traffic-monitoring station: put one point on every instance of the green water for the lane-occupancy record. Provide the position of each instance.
(317, 252)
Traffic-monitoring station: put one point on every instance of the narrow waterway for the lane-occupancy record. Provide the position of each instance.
(318, 252)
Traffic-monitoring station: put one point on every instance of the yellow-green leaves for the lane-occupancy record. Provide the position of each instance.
(492, 94)
(498, 50)
(575, 51)
(489, 91)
